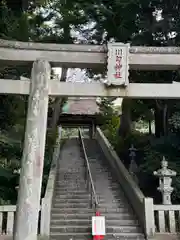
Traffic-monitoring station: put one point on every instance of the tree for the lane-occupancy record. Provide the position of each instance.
(137, 22)
(14, 25)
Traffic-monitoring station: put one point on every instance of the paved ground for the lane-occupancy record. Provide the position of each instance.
(167, 237)
(158, 237)
(10, 238)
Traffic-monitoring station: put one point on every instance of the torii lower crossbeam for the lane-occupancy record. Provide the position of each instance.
(96, 89)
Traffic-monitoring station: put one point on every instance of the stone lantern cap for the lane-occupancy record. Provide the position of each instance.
(164, 171)
(17, 171)
(132, 150)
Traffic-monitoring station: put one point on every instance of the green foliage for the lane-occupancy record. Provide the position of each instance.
(13, 27)
(106, 110)
(11, 111)
(174, 122)
(111, 129)
(153, 153)
(150, 151)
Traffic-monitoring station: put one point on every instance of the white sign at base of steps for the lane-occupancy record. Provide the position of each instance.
(98, 226)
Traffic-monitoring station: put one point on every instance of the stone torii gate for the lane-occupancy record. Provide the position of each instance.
(39, 88)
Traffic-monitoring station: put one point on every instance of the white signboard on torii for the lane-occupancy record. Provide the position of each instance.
(118, 64)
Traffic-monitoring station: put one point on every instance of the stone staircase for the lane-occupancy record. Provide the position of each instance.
(71, 212)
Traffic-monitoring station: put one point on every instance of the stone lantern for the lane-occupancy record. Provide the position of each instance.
(165, 179)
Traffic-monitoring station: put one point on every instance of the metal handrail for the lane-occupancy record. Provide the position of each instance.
(89, 179)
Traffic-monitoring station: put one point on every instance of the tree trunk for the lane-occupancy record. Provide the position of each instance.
(161, 119)
(58, 102)
(165, 119)
(157, 119)
(149, 125)
(125, 118)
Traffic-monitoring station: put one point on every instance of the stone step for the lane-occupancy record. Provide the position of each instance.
(75, 168)
(88, 222)
(71, 200)
(121, 236)
(79, 191)
(75, 175)
(95, 174)
(61, 175)
(65, 182)
(71, 183)
(113, 192)
(86, 204)
(72, 186)
(76, 196)
(83, 196)
(85, 216)
(94, 169)
(71, 171)
(71, 190)
(71, 196)
(78, 175)
(71, 178)
(85, 200)
(108, 181)
(85, 229)
(63, 165)
(85, 190)
(89, 210)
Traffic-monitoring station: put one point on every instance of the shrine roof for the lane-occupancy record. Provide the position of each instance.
(81, 106)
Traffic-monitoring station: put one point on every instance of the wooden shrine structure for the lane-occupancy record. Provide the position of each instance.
(79, 112)
(119, 57)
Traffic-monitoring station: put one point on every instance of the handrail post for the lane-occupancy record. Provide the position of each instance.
(45, 217)
(149, 218)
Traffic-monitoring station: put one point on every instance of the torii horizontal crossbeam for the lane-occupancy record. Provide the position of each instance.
(87, 56)
(69, 89)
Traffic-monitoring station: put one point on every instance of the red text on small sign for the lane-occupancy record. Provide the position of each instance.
(118, 65)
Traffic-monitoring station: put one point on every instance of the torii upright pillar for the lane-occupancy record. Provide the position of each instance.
(28, 206)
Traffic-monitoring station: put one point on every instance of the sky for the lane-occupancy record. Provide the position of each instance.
(74, 75)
